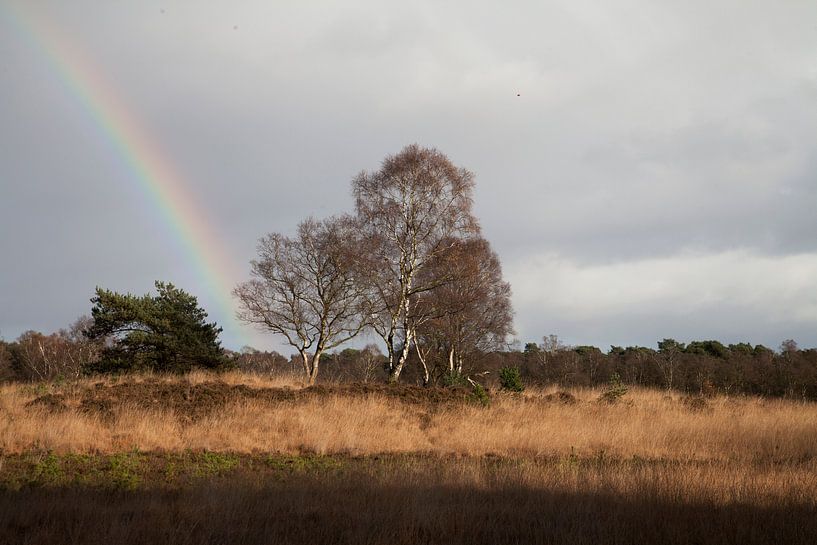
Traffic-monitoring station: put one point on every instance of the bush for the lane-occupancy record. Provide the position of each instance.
(615, 390)
(453, 378)
(695, 403)
(510, 379)
(565, 398)
(481, 395)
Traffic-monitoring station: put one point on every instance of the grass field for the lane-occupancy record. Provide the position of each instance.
(244, 459)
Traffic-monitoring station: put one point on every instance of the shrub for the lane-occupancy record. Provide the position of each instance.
(510, 379)
(481, 395)
(695, 403)
(453, 378)
(615, 390)
(565, 398)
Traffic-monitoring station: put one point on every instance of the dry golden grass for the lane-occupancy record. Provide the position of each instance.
(411, 500)
(648, 424)
(653, 468)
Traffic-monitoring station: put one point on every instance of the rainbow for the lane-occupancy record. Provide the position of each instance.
(154, 174)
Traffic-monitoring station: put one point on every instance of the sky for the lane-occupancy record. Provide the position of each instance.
(644, 169)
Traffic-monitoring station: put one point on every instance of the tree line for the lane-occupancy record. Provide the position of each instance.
(409, 267)
(697, 368)
(700, 367)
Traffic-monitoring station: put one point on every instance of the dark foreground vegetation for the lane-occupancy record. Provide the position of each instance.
(404, 500)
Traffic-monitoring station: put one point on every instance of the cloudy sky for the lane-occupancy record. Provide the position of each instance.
(656, 176)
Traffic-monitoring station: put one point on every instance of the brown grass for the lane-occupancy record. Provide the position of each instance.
(437, 500)
(91, 462)
(648, 424)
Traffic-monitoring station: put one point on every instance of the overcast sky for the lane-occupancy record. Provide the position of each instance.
(656, 176)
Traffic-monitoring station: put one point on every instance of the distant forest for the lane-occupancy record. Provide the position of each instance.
(697, 368)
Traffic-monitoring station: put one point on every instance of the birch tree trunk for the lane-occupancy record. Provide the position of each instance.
(313, 372)
(305, 362)
(421, 357)
(411, 211)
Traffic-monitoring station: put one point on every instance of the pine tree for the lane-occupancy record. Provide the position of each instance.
(166, 332)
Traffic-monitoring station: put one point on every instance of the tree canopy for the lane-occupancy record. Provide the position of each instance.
(413, 210)
(305, 288)
(409, 266)
(165, 332)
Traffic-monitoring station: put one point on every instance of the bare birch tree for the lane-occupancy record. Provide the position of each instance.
(669, 354)
(64, 354)
(305, 289)
(410, 211)
(469, 313)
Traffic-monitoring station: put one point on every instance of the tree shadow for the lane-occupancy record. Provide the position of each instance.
(306, 510)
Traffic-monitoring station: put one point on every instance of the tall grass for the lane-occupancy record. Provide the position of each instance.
(647, 424)
(531, 467)
(438, 500)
